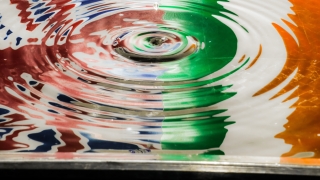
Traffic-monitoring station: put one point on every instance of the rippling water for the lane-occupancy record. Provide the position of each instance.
(121, 75)
(95, 75)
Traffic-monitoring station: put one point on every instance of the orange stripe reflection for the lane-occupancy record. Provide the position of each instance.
(257, 57)
(242, 58)
(303, 128)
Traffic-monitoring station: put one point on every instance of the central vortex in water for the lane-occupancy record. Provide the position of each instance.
(154, 45)
(158, 41)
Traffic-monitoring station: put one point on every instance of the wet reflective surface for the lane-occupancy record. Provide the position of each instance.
(165, 78)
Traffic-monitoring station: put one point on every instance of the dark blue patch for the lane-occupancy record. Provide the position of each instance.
(33, 83)
(151, 127)
(8, 33)
(4, 111)
(153, 120)
(149, 75)
(65, 98)
(21, 88)
(41, 11)
(2, 120)
(83, 80)
(85, 2)
(152, 100)
(53, 111)
(60, 106)
(37, 6)
(149, 132)
(46, 137)
(66, 33)
(102, 144)
(143, 151)
(2, 26)
(56, 31)
(35, 0)
(122, 35)
(18, 41)
(151, 141)
(4, 131)
(44, 17)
